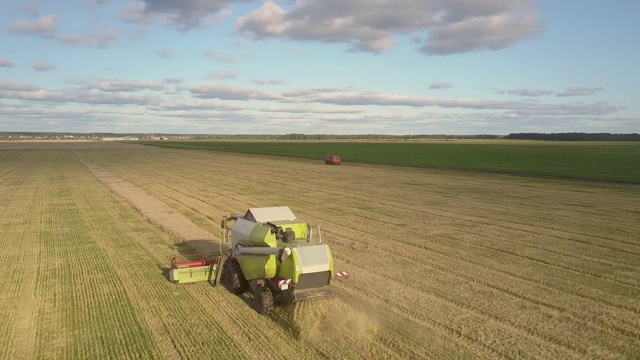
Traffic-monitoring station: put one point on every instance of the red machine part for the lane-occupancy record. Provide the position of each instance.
(283, 284)
(201, 262)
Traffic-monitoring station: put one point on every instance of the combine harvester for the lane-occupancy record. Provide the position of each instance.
(268, 251)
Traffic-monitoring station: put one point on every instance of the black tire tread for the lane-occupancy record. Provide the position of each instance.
(263, 301)
(233, 279)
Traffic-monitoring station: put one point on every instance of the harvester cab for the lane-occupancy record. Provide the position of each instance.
(278, 257)
(268, 251)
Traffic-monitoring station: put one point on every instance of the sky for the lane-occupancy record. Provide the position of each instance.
(396, 67)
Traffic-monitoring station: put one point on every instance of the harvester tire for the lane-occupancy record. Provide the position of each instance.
(233, 279)
(263, 301)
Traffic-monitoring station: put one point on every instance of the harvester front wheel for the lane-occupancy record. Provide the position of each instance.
(263, 300)
(233, 279)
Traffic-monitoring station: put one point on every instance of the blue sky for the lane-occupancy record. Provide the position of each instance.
(320, 66)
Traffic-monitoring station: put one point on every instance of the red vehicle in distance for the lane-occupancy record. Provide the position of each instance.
(332, 160)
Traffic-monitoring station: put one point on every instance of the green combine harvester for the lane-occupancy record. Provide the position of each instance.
(270, 252)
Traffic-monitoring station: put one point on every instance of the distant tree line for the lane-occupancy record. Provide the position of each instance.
(296, 136)
(575, 137)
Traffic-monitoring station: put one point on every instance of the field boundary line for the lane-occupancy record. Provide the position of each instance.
(155, 211)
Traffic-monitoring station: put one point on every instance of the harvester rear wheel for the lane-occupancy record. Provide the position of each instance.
(233, 279)
(263, 300)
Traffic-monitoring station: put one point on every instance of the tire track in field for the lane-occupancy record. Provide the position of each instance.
(20, 216)
(165, 218)
(152, 209)
(10, 283)
(231, 197)
(82, 292)
(184, 326)
(163, 320)
(25, 327)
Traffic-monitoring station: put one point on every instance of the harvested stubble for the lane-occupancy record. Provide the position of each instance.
(443, 264)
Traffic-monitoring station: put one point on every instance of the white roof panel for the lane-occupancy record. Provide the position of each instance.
(266, 214)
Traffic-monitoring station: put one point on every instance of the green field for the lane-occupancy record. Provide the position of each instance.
(601, 161)
(443, 264)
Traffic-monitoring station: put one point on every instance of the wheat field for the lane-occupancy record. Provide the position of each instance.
(444, 265)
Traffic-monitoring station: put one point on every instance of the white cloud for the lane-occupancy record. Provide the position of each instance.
(96, 3)
(45, 26)
(223, 92)
(298, 109)
(101, 38)
(184, 15)
(42, 66)
(450, 26)
(308, 93)
(80, 97)
(223, 75)
(173, 80)
(127, 85)
(10, 86)
(164, 53)
(119, 93)
(579, 91)
(517, 107)
(493, 32)
(305, 110)
(4, 62)
(440, 85)
(268, 81)
(527, 92)
(218, 56)
(268, 20)
(355, 98)
(20, 91)
(188, 105)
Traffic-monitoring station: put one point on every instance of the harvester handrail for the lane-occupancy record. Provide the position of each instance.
(313, 236)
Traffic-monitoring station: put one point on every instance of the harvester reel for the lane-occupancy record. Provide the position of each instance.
(263, 300)
(233, 279)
